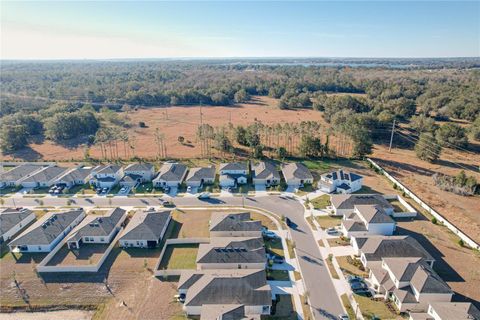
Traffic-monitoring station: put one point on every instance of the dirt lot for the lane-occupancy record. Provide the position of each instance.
(87, 254)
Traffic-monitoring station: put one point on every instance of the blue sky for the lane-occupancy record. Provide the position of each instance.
(110, 29)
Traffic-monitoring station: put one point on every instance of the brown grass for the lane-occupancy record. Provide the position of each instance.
(88, 254)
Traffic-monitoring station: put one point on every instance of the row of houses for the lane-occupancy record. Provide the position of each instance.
(230, 281)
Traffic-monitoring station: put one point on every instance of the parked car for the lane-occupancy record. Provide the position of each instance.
(275, 258)
(204, 195)
(168, 204)
(332, 231)
(358, 286)
(343, 317)
(363, 292)
(104, 190)
(180, 297)
(269, 234)
(352, 279)
(189, 188)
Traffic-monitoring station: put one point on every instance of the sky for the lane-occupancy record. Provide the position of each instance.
(180, 29)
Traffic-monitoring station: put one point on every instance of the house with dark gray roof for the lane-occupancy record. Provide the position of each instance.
(199, 176)
(43, 178)
(233, 173)
(97, 229)
(340, 181)
(146, 229)
(296, 174)
(265, 173)
(223, 224)
(77, 176)
(12, 221)
(344, 204)
(170, 175)
(409, 282)
(138, 173)
(226, 288)
(448, 311)
(367, 220)
(46, 233)
(232, 253)
(226, 312)
(106, 176)
(15, 176)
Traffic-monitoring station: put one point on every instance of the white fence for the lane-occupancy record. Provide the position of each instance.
(43, 267)
(411, 212)
(466, 239)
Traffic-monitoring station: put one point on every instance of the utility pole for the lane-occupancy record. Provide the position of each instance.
(391, 137)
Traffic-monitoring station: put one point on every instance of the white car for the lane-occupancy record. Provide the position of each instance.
(189, 189)
(269, 234)
(204, 195)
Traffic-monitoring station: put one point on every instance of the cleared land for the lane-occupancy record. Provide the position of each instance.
(87, 254)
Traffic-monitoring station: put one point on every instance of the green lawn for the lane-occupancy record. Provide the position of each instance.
(8, 190)
(291, 247)
(321, 202)
(82, 189)
(370, 307)
(277, 275)
(179, 256)
(351, 266)
(328, 221)
(282, 309)
(331, 268)
(275, 246)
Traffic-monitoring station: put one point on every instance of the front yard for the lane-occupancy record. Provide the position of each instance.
(321, 202)
(375, 308)
(328, 221)
(350, 265)
(277, 275)
(179, 256)
(282, 309)
(274, 246)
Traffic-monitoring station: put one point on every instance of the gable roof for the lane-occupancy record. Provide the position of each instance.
(233, 166)
(425, 280)
(10, 217)
(232, 250)
(44, 231)
(171, 172)
(146, 225)
(46, 174)
(94, 225)
(139, 166)
(402, 268)
(265, 170)
(296, 170)
(107, 169)
(19, 172)
(349, 201)
(221, 221)
(75, 175)
(230, 286)
(197, 174)
(223, 312)
(373, 214)
(455, 310)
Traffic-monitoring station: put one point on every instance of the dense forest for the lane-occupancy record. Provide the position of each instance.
(63, 100)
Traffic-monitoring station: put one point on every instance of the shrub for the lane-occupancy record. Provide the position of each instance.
(434, 220)
(461, 243)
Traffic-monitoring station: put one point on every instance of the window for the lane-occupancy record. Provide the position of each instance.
(39, 248)
(102, 239)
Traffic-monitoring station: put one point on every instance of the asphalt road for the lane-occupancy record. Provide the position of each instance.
(323, 297)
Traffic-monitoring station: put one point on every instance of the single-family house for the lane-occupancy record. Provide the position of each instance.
(247, 288)
(340, 181)
(233, 173)
(106, 176)
(367, 220)
(146, 229)
(234, 225)
(12, 221)
(265, 173)
(137, 173)
(409, 282)
(448, 311)
(373, 249)
(226, 312)
(46, 233)
(199, 176)
(344, 204)
(43, 178)
(170, 175)
(14, 177)
(77, 176)
(232, 253)
(296, 174)
(97, 229)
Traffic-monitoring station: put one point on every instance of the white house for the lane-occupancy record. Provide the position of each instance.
(265, 173)
(367, 220)
(43, 178)
(14, 220)
(224, 224)
(340, 181)
(343, 204)
(170, 175)
(215, 289)
(97, 229)
(139, 173)
(296, 174)
(146, 229)
(106, 176)
(199, 176)
(233, 173)
(13, 177)
(46, 233)
(448, 311)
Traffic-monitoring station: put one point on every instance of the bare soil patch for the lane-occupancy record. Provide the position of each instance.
(87, 254)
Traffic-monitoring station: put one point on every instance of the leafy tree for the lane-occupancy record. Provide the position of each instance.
(422, 123)
(310, 147)
(474, 129)
(181, 139)
(281, 152)
(241, 96)
(451, 134)
(222, 142)
(13, 137)
(426, 148)
(258, 151)
(241, 135)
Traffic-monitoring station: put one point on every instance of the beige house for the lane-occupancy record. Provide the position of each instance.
(367, 220)
(296, 174)
(448, 311)
(344, 204)
(234, 225)
(265, 173)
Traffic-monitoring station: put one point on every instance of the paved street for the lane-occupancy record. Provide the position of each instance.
(323, 297)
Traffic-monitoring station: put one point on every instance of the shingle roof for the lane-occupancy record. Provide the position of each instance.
(374, 214)
(402, 268)
(221, 221)
(456, 310)
(425, 280)
(46, 174)
(348, 201)
(197, 174)
(94, 225)
(75, 175)
(240, 287)
(11, 217)
(44, 231)
(19, 172)
(171, 172)
(146, 225)
(351, 225)
(233, 166)
(223, 312)
(139, 166)
(107, 169)
(266, 170)
(232, 250)
(296, 170)
(130, 177)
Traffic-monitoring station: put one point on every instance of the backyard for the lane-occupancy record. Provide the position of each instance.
(179, 256)
(87, 254)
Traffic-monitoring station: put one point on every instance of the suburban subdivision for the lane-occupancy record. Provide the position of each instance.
(311, 239)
